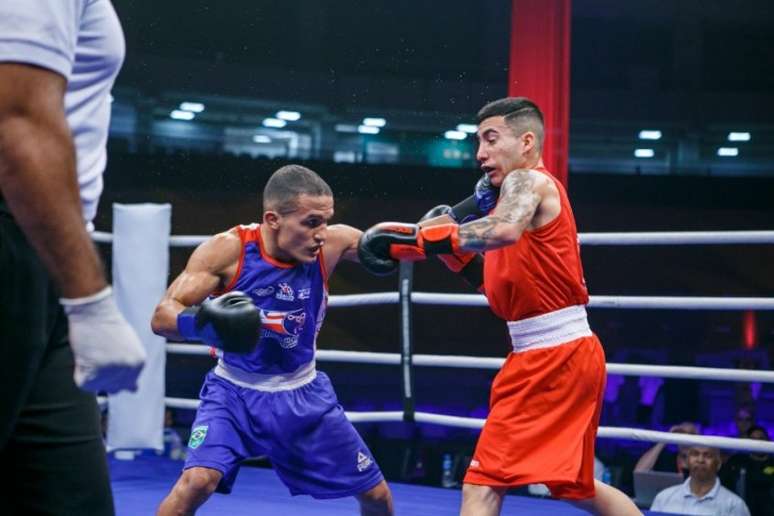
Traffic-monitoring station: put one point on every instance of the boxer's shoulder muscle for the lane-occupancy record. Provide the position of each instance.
(218, 255)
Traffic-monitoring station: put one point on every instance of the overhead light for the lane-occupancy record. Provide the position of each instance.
(728, 151)
(181, 115)
(368, 129)
(290, 116)
(467, 128)
(644, 153)
(274, 122)
(261, 138)
(193, 107)
(650, 134)
(345, 128)
(455, 135)
(738, 137)
(374, 122)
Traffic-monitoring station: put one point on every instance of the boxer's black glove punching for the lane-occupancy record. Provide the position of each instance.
(230, 322)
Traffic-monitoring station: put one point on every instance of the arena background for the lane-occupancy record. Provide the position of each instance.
(693, 70)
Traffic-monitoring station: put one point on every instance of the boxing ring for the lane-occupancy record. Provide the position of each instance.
(411, 499)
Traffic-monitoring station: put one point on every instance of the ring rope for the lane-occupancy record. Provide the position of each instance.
(369, 357)
(678, 238)
(606, 432)
(628, 302)
(608, 238)
(641, 302)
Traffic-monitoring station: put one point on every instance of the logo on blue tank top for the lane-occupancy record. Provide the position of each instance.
(285, 292)
(284, 326)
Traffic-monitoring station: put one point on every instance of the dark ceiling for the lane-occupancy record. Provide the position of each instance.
(452, 55)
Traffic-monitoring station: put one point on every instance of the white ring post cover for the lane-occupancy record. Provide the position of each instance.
(140, 270)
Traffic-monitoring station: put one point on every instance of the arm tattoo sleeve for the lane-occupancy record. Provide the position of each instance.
(518, 202)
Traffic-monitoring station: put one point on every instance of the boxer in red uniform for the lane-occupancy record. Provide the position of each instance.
(546, 400)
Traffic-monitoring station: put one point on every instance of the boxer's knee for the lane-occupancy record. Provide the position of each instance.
(481, 500)
(192, 489)
(376, 501)
(200, 481)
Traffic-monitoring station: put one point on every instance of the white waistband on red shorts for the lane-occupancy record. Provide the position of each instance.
(549, 330)
(267, 382)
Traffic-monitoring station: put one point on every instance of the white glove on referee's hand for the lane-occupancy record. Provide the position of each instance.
(108, 354)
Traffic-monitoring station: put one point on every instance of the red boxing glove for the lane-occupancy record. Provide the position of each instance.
(423, 242)
(383, 244)
(457, 261)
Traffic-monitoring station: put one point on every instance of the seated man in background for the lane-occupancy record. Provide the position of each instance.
(659, 459)
(751, 476)
(701, 493)
(269, 399)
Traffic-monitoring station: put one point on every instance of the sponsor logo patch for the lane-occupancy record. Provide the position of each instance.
(197, 436)
(263, 292)
(363, 461)
(285, 292)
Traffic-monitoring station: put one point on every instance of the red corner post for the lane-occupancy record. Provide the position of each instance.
(540, 69)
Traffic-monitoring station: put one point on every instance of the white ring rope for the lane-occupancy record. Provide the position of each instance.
(628, 238)
(638, 434)
(376, 298)
(605, 432)
(678, 238)
(368, 357)
(647, 302)
(643, 302)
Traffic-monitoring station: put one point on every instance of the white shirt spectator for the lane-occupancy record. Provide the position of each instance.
(719, 501)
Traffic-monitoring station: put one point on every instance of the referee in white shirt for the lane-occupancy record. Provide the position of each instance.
(62, 338)
(701, 493)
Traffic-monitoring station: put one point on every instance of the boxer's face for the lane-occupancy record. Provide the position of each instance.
(500, 150)
(301, 233)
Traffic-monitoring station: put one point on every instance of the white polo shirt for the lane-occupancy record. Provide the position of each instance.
(81, 40)
(719, 501)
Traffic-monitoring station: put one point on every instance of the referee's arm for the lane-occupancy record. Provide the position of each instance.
(38, 176)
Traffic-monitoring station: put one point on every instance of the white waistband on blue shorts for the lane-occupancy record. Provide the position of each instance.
(549, 330)
(267, 382)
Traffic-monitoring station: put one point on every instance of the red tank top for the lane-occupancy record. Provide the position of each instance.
(541, 272)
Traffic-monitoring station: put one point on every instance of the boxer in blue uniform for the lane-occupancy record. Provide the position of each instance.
(258, 294)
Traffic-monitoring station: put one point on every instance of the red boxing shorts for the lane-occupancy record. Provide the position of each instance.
(543, 416)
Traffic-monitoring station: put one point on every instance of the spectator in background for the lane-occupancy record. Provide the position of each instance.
(701, 493)
(744, 419)
(751, 476)
(661, 458)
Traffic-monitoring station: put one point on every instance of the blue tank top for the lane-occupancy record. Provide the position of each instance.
(292, 299)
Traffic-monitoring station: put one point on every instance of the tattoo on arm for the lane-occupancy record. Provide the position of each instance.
(514, 212)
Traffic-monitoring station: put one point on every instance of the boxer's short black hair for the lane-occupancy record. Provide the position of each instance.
(521, 115)
(285, 185)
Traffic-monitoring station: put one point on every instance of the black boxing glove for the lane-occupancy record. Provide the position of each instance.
(230, 322)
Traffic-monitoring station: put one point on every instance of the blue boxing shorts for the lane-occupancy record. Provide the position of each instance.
(313, 447)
